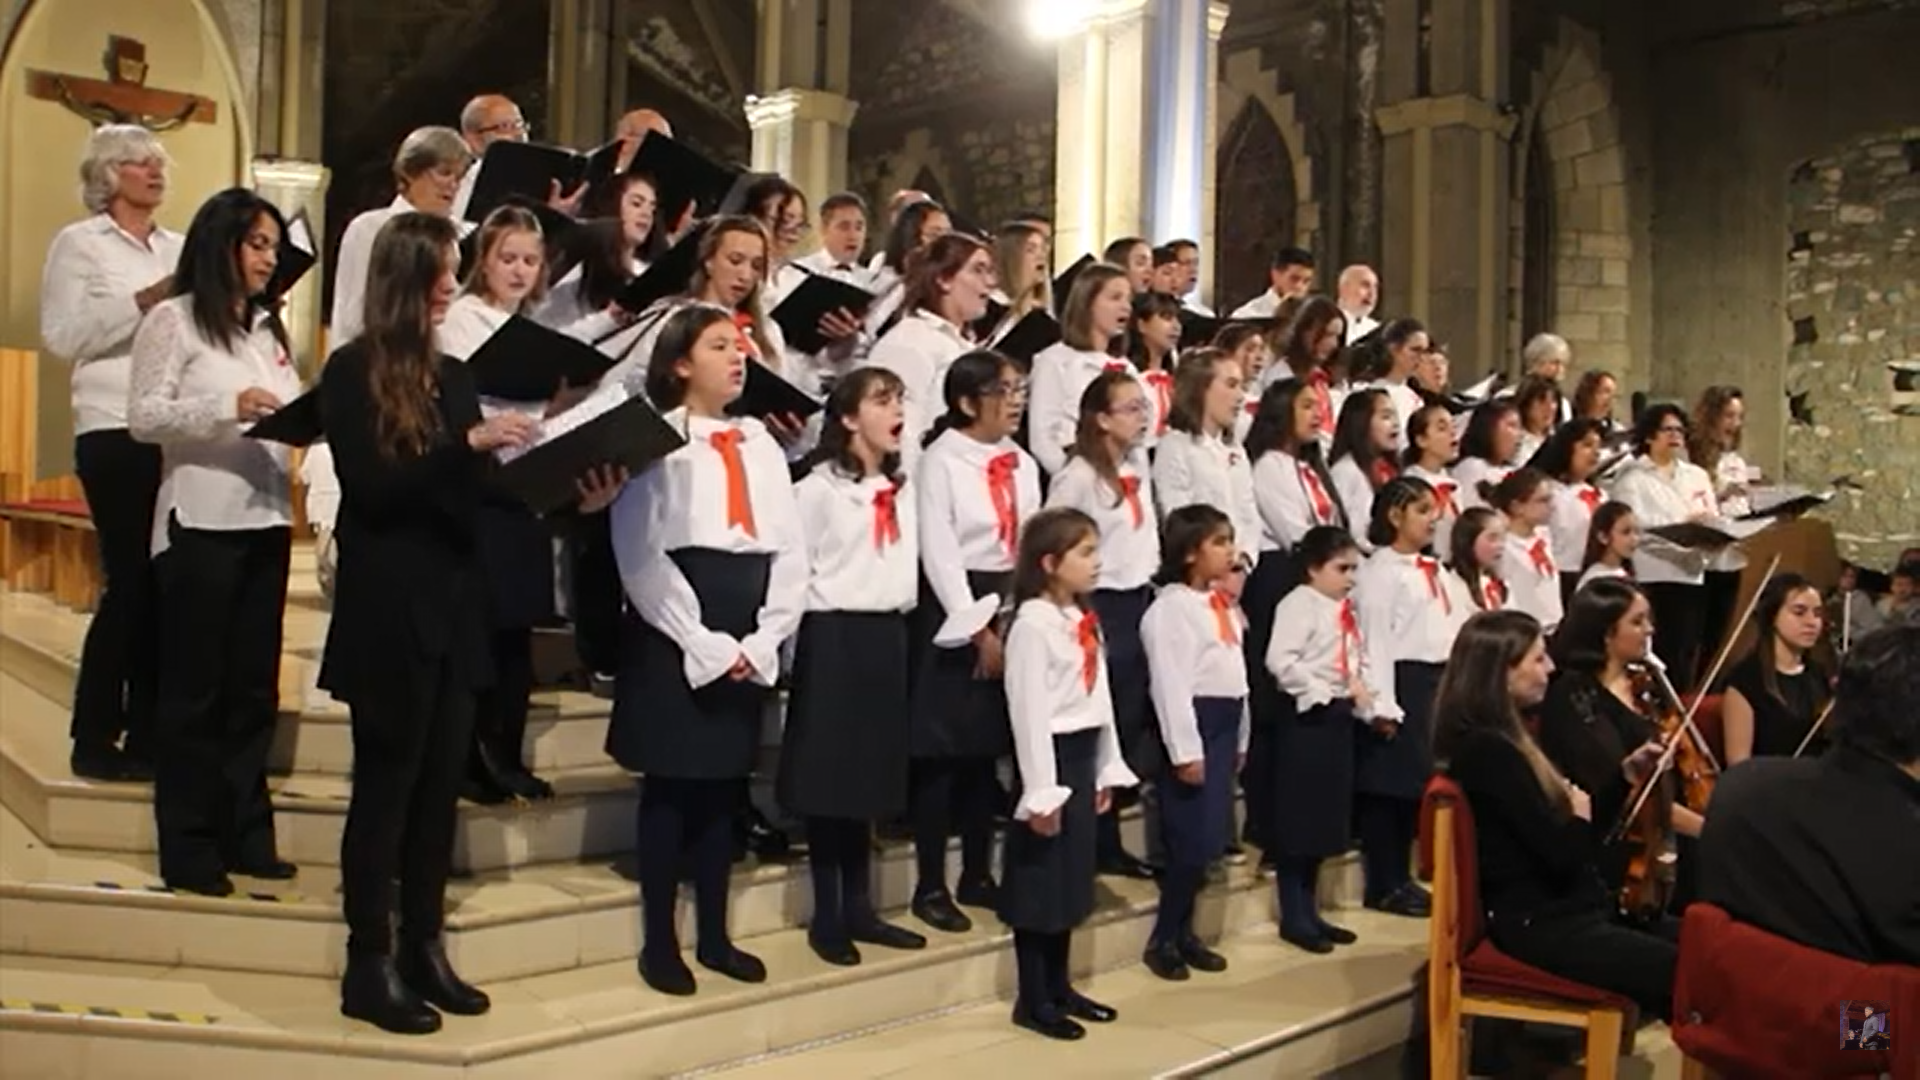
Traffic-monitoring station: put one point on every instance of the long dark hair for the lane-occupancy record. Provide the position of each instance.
(1606, 518)
(1051, 532)
(1472, 521)
(209, 268)
(1474, 697)
(1532, 390)
(1587, 389)
(1181, 536)
(1517, 487)
(1703, 432)
(1766, 612)
(1089, 442)
(1395, 495)
(973, 377)
(1477, 440)
(1353, 435)
(607, 266)
(667, 388)
(410, 255)
(836, 441)
(1192, 380)
(904, 238)
(1151, 305)
(1273, 430)
(1556, 457)
(941, 261)
(1580, 642)
(1417, 429)
(1307, 327)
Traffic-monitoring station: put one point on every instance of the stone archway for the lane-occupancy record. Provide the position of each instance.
(1249, 101)
(1572, 134)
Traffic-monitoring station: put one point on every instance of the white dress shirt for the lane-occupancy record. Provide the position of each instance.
(682, 502)
(1206, 470)
(1191, 302)
(1571, 520)
(969, 524)
(1531, 575)
(1129, 529)
(1470, 473)
(1406, 613)
(863, 542)
(1446, 500)
(1601, 570)
(350, 267)
(1357, 326)
(323, 486)
(184, 396)
(1318, 648)
(1528, 446)
(1666, 497)
(919, 350)
(88, 314)
(1731, 474)
(1356, 497)
(853, 273)
(565, 308)
(1061, 374)
(1192, 640)
(1049, 692)
(1293, 497)
(1260, 307)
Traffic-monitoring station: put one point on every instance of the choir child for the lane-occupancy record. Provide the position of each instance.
(1487, 450)
(714, 565)
(1612, 538)
(945, 291)
(1664, 488)
(1200, 461)
(1407, 618)
(619, 249)
(1290, 275)
(206, 364)
(1776, 693)
(1319, 658)
(1153, 341)
(975, 487)
(1479, 545)
(912, 233)
(781, 209)
(1531, 574)
(1311, 354)
(843, 756)
(1069, 762)
(1538, 403)
(1098, 307)
(1020, 254)
(1713, 444)
(1134, 256)
(1431, 447)
(1405, 342)
(1166, 271)
(1363, 455)
(1246, 345)
(1106, 479)
(407, 647)
(1199, 679)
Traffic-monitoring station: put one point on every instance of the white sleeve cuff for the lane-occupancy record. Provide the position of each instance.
(764, 657)
(1116, 775)
(708, 657)
(961, 625)
(1041, 801)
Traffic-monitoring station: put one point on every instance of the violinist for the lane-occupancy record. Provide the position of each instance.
(1593, 719)
(1775, 695)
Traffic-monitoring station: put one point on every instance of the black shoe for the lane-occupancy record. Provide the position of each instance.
(1201, 958)
(219, 885)
(840, 952)
(1313, 942)
(371, 990)
(271, 870)
(1127, 865)
(486, 781)
(1339, 935)
(669, 976)
(754, 835)
(1164, 960)
(1051, 1023)
(522, 784)
(1081, 1007)
(424, 968)
(734, 964)
(875, 931)
(937, 910)
(1404, 902)
(107, 764)
(978, 892)
(483, 792)
(600, 685)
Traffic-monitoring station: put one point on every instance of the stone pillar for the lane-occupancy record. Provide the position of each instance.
(1447, 147)
(1102, 174)
(294, 186)
(586, 71)
(1179, 147)
(800, 113)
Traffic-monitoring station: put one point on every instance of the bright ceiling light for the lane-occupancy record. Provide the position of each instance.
(1051, 20)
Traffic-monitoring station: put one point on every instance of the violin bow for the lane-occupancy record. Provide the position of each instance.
(1720, 662)
(1815, 729)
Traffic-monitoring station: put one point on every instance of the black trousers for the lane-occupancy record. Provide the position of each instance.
(686, 824)
(409, 754)
(1041, 970)
(119, 664)
(1388, 828)
(595, 594)
(500, 711)
(950, 795)
(221, 599)
(1679, 621)
(1592, 948)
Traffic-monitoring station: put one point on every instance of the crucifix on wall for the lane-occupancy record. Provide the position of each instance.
(124, 96)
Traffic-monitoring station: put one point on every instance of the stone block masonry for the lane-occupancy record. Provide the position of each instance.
(1853, 296)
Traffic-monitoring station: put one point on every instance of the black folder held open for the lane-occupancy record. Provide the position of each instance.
(813, 299)
(604, 430)
(517, 170)
(525, 361)
(297, 423)
(1036, 332)
(768, 393)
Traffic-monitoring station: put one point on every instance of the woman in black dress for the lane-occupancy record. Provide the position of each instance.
(1774, 696)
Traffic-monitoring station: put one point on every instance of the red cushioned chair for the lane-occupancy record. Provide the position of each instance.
(1748, 1003)
(1468, 977)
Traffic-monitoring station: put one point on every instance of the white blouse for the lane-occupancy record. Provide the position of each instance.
(1192, 639)
(1468, 601)
(1532, 576)
(1057, 685)
(1405, 614)
(351, 265)
(1129, 529)
(635, 344)
(1571, 521)
(184, 396)
(1061, 374)
(919, 349)
(683, 502)
(565, 309)
(973, 498)
(1446, 500)
(1356, 497)
(1601, 570)
(1205, 470)
(1666, 497)
(1292, 498)
(1317, 649)
(1731, 474)
(88, 314)
(1470, 473)
(863, 543)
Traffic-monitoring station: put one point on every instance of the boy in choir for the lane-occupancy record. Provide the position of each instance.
(1097, 310)
(1570, 457)
(1358, 293)
(1153, 340)
(1363, 455)
(1198, 676)
(843, 239)
(1186, 260)
(1408, 621)
(1612, 538)
(714, 564)
(1200, 461)
(1431, 447)
(1106, 479)
(1069, 763)
(975, 487)
(1532, 576)
(1291, 275)
(1479, 544)
(1166, 271)
(1319, 659)
(843, 756)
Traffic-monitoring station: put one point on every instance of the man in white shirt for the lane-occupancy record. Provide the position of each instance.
(486, 120)
(1290, 276)
(843, 236)
(1359, 292)
(1186, 262)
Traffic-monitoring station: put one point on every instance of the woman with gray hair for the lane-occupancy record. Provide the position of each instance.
(427, 170)
(102, 275)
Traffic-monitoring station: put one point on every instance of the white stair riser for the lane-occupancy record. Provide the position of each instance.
(305, 743)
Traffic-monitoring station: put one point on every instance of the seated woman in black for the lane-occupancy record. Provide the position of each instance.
(1589, 723)
(1775, 695)
(1536, 831)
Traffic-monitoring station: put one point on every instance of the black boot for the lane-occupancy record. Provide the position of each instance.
(509, 754)
(487, 782)
(423, 966)
(371, 990)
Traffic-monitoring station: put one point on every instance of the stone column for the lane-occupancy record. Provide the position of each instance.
(800, 112)
(1447, 171)
(1103, 172)
(294, 186)
(582, 57)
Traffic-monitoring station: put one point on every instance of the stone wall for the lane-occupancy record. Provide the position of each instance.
(1852, 297)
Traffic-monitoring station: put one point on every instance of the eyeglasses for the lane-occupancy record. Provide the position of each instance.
(517, 126)
(1672, 429)
(1010, 388)
(1135, 407)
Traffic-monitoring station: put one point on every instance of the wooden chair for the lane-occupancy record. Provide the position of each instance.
(1469, 977)
(1748, 1003)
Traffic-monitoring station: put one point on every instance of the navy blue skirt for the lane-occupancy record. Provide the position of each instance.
(1120, 616)
(1399, 767)
(1313, 780)
(844, 751)
(1196, 820)
(1046, 882)
(954, 714)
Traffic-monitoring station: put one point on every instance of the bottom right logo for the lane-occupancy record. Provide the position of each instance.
(1865, 1025)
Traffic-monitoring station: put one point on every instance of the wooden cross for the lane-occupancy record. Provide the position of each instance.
(124, 97)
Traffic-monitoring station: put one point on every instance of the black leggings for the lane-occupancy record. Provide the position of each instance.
(1388, 828)
(1041, 959)
(118, 683)
(686, 824)
(840, 856)
(951, 795)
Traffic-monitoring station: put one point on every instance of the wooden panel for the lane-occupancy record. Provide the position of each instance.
(20, 433)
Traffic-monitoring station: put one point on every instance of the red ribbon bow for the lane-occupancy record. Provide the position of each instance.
(1349, 628)
(1130, 491)
(1322, 505)
(1223, 621)
(1162, 385)
(1496, 593)
(1322, 398)
(1006, 498)
(1118, 365)
(1431, 567)
(886, 518)
(1542, 559)
(1591, 496)
(1089, 633)
(743, 327)
(726, 443)
(1383, 472)
(1443, 498)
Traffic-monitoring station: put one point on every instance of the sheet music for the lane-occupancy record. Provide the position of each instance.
(300, 233)
(602, 400)
(1481, 390)
(1768, 498)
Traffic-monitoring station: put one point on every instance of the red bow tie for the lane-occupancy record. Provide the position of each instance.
(1431, 567)
(886, 517)
(1161, 383)
(1349, 629)
(1590, 496)
(1001, 472)
(1223, 622)
(1089, 634)
(1542, 559)
(1496, 593)
(1443, 498)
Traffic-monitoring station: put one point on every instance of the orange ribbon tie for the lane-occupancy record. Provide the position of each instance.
(1322, 505)
(1443, 498)
(1322, 398)
(1130, 491)
(1431, 568)
(1006, 498)
(1089, 631)
(886, 518)
(1223, 622)
(1542, 559)
(726, 443)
